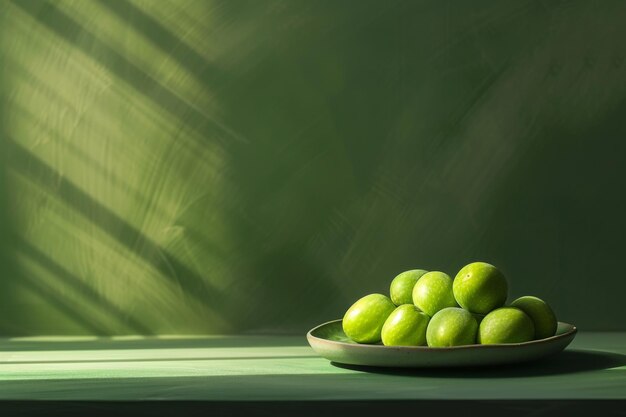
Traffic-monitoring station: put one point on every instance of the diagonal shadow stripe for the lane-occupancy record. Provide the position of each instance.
(161, 37)
(72, 281)
(49, 16)
(73, 151)
(194, 236)
(41, 82)
(95, 165)
(48, 293)
(113, 225)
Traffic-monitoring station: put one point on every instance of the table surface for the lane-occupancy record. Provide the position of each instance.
(281, 368)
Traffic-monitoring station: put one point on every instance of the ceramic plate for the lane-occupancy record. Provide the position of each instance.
(329, 341)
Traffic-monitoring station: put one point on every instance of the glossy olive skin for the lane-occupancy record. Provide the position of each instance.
(363, 322)
(480, 287)
(540, 313)
(401, 288)
(506, 325)
(433, 292)
(451, 326)
(405, 326)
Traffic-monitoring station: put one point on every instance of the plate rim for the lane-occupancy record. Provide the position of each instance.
(569, 333)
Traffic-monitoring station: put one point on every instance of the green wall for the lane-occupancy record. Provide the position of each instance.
(256, 166)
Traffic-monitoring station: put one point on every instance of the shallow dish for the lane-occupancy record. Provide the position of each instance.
(329, 341)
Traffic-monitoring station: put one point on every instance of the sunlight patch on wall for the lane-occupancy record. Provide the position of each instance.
(102, 172)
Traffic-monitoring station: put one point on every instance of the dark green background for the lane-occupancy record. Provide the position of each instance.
(256, 166)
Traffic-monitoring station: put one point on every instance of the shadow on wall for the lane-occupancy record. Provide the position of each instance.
(59, 23)
(110, 223)
(256, 167)
(74, 199)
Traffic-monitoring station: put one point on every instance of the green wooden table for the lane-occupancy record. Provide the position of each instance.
(271, 374)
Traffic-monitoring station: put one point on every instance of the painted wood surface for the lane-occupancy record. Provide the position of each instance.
(249, 368)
